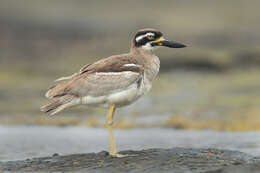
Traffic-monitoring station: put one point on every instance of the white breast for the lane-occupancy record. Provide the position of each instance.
(124, 97)
(120, 97)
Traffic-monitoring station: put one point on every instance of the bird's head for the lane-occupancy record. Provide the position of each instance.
(151, 38)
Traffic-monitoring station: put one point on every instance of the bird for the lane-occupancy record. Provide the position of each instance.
(112, 82)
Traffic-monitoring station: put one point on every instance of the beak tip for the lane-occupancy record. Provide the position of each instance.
(182, 46)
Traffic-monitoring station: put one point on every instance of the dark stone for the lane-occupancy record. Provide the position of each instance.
(250, 168)
(104, 153)
(55, 155)
(176, 160)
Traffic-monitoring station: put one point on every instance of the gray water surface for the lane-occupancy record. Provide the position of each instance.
(23, 142)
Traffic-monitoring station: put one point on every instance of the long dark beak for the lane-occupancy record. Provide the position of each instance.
(172, 44)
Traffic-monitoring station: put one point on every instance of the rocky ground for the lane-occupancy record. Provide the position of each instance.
(184, 160)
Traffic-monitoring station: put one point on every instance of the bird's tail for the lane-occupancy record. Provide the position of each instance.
(58, 104)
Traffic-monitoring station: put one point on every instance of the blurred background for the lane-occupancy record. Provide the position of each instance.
(213, 84)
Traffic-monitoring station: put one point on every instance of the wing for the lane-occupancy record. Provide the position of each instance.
(100, 78)
(82, 70)
(101, 83)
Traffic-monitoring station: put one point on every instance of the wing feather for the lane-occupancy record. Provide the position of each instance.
(100, 78)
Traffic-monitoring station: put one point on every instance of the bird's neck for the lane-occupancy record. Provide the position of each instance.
(149, 60)
(141, 51)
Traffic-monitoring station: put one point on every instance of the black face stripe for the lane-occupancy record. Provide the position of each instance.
(144, 40)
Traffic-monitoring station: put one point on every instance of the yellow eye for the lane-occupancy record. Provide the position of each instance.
(150, 37)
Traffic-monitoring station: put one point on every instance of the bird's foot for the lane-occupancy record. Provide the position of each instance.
(122, 155)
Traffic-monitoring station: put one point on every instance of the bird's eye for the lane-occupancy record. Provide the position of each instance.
(150, 37)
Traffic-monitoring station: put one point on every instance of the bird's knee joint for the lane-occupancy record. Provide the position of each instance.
(110, 123)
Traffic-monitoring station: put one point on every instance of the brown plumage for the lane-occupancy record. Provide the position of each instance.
(65, 91)
(113, 82)
(107, 76)
(57, 104)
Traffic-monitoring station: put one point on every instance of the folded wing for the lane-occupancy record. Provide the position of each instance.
(105, 76)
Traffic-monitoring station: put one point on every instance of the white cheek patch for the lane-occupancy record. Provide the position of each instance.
(143, 36)
(148, 46)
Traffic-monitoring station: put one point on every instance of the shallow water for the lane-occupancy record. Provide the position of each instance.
(23, 142)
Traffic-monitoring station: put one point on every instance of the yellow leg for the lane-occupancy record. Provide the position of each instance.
(109, 121)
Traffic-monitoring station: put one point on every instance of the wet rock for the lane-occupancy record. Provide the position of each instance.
(175, 160)
(250, 168)
(104, 153)
(55, 155)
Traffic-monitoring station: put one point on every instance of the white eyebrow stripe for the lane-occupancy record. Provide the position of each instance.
(142, 36)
